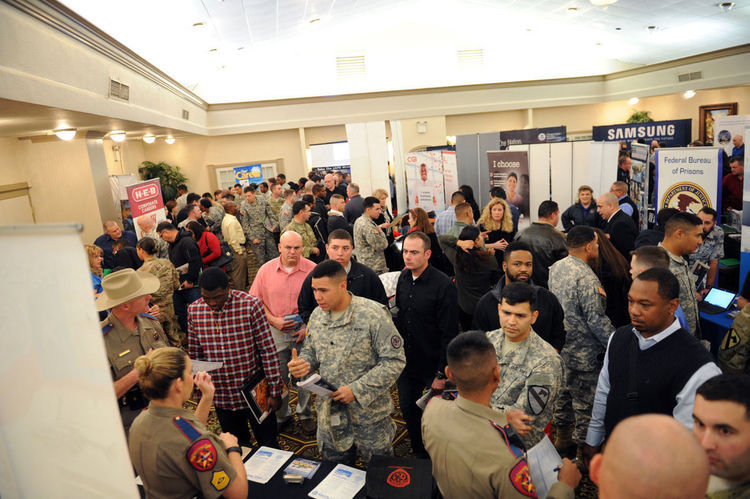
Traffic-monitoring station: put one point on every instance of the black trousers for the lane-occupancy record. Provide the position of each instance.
(411, 387)
(465, 319)
(181, 299)
(235, 422)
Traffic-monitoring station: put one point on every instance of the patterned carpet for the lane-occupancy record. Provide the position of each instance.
(293, 439)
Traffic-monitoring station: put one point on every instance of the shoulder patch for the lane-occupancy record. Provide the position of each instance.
(601, 291)
(220, 480)
(202, 455)
(731, 340)
(106, 329)
(149, 316)
(520, 477)
(186, 428)
(396, 341)
(538, 397)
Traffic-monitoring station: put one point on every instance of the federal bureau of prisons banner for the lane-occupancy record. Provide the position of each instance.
(688, 178)
(510, 170)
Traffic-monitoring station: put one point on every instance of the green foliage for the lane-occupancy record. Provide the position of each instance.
(640, 117)
(169, 176)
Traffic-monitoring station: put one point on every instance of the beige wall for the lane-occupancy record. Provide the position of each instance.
(435, 135)
(325, 134)
(461, 124)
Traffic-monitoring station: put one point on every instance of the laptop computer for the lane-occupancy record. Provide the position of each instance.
(716, 301)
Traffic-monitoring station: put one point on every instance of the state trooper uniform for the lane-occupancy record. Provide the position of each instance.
(530, 379)
(123, 345)
(361, 348)
(176, 456)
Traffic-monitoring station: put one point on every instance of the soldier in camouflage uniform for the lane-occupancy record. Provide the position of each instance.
(584, 301)
(711, 249)
(213, 214)
(356, 347)
(275, 200)
(258, 222)
(734, 353)
(370, 241)
(682, 236)
(301, 213)
(530, 369)
(169, 280)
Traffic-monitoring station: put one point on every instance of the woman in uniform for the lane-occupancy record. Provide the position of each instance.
(169, 281)
(171, 450)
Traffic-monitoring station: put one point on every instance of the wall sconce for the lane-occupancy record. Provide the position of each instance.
(66, 133)
(421, 127)
(117, 136)
(116, 153)
(169, 140)
(149, 139)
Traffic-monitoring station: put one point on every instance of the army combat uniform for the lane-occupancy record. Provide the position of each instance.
(359, 347)
(369, 244)
(734, 353)
(256, 218)
(308, 236)
(169, 280)
(588, 330)
(689, 303)
(123, 347)
(176, 456)
(530, 379)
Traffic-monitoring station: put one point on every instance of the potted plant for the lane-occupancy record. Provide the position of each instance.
(169, 176)
(640, 117)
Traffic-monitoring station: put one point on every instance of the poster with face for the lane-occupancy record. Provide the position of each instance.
(424, 180)
(510, 170)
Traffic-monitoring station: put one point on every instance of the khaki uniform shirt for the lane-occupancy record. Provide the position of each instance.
(176, 456)
(124, 346)
(470, 457)
(308, 236)
(369, 244)
(679, 267)
(530, 379)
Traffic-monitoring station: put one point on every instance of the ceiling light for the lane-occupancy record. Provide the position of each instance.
(652, 28)
(726, 6)
(199, 25)
(602, 3)
(315, 20)
(65, 133)
(689, 94)
(213, 50)
(572, 10)
(618, 29)
(169, 140)
(633, 101)
(117, 136)
(149, 139)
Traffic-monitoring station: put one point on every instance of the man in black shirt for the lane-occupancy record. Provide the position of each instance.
(518, 267)
(183, 251)
(427, 320)
(361, 280)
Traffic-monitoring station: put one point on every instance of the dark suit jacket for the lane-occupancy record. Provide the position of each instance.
(622, 233)
(354, 208)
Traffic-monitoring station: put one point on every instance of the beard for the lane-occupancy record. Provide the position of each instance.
(520, 277)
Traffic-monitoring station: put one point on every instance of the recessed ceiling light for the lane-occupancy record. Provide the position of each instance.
(633, 101)
(117, 135)
(618, 29)
(572, 10)
(602, 3)
(199, 25)
(213, 50)
(726, 6)
(315, 20)
(169, 140)
(65, 133)
(149, 139)
(652, 28)
(240, 48)
(689, 94)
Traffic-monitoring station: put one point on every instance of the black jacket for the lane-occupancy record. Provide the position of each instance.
(320, 209)
(128, 257)
(549, 325)
(575, 215)
(361, 281)
(184, 250)
(427, 319)
(622, 233)
(338, 222)
(354, 209)
(649, 237)
(320, 229)
(547, 246)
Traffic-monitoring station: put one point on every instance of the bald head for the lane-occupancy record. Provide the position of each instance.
(230, 207)
(290, 237)
(649, 457)
(607, 204)
(145, 222)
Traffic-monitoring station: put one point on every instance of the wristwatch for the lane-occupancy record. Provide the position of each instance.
(440, 375)
(236, 449)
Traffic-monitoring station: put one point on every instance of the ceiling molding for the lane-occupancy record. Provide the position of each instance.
(67, 22)
(740, 49)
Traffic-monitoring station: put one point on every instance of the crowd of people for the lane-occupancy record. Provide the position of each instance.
(590, 336)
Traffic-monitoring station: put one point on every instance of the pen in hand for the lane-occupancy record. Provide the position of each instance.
(558, 468)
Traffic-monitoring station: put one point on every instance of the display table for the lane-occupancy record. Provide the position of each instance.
(714, 327)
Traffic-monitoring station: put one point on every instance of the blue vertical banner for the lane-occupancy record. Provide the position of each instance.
(249, 174)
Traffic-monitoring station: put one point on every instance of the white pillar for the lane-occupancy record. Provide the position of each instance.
(368, 154)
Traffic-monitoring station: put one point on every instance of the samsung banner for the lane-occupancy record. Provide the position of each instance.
(674, 133)
(533, 136)
(688, 178)
(249, 174)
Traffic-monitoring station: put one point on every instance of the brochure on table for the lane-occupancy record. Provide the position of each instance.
(343, 482)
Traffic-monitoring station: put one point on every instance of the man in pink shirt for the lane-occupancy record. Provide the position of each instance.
(277, 285)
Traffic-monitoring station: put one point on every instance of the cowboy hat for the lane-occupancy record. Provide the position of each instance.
(125, 285)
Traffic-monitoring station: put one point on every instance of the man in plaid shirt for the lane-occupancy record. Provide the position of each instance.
(230, 326)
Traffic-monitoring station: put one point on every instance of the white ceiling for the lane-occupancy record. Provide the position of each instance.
(268, 49)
